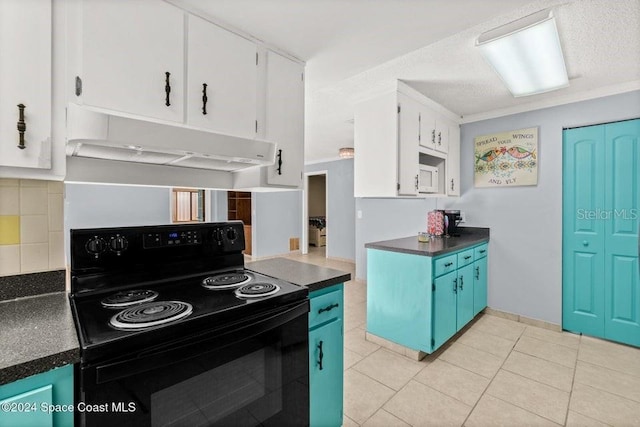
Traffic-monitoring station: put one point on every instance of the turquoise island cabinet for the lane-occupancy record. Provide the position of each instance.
(43, 400)
(420, 294)
(326, 356)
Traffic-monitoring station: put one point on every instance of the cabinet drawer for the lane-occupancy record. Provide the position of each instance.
(445, 264)
(480, 251)
(465, 257)
(325, 307)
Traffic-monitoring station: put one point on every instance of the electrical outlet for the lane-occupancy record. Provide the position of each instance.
(359, 214)
(463, 217)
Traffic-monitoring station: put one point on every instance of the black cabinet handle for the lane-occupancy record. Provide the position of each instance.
(482, 251)
(477, 273)
(439, 138)
(461, 283)
(449, 264)
(22, 126)
(452, 185)
(467, 257)
(417, 177)
(204, 99)
(328, 308)
(455, 285)
(320, 355)
(433, 136)
(167, 88)
(279, 155)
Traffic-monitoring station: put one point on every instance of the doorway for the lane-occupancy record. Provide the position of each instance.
(239, 208)
(315, 235)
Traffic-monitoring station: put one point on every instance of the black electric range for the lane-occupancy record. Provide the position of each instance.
(149, 302)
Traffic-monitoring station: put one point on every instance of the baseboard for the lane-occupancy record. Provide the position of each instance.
(523, 319)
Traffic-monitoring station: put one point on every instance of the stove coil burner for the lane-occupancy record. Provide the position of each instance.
(257, 290)
(129, 298)
(150, 314)
(225, 281)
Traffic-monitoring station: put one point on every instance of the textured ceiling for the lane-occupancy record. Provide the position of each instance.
(355, 48)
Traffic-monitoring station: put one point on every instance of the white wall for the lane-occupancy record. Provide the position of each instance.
(276, 217)
(525, 259)
(341, 233)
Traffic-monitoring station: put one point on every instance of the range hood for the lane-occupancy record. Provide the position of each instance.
(100, 135)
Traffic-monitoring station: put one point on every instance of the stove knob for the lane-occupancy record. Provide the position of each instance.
(95, 246)
(218, 236)
(118, 244)
(232, 234)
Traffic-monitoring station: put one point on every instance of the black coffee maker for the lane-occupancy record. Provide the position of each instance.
(453, 218)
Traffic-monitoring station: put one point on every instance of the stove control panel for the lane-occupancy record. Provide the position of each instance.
(171, 238)
(117, 248)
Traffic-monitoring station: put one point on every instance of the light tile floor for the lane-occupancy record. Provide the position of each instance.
(496, 372)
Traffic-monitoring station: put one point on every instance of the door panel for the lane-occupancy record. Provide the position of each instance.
(480, 285)
(408, 132)
(622, 178)
(325, 374)
(444, 308)
(465, 296)
(583, 232)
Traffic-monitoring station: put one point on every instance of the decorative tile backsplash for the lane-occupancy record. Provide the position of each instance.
(31, 226)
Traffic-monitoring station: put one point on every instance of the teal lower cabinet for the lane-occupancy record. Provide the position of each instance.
(326, 338)
(420, 302)
(480, 282)
(43, 400)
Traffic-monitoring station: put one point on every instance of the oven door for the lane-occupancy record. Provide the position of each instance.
(247, 374)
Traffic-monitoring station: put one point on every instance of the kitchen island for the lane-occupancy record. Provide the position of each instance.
(326, 334)
(420, 294)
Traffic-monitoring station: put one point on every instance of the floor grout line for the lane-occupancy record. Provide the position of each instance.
(491, 381)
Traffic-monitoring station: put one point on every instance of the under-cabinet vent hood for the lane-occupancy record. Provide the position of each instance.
(107, 136)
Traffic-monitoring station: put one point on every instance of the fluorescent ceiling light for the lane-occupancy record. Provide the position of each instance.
(526, 54)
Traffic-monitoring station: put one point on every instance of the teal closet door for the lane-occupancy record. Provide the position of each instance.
(583, 232)
(622, 287)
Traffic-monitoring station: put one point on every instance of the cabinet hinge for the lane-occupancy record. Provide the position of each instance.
(398, 186)
(433, 343)
(78, 86)
(433, 286)
(399, 108)
(256, 58)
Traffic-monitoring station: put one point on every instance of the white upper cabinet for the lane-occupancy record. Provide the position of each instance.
(400, 136)
(427, 128)
(408, 136)
(452, 186)
(222, 78)
(442, 134)
(25, 79)
(132, 57)
(284, 100)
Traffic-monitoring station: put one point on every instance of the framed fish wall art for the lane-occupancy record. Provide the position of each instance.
(506, 159)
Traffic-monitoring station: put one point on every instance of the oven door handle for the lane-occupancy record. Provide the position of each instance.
(148, 360)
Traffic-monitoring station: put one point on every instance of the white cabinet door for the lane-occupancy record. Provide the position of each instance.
(133, 57)
(226, 64)
(442, 134)
(285, 119)
(427, 128)
(25, 78)
(408, 131)
(452, 186)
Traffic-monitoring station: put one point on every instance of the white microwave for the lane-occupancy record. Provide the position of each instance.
(428, 179)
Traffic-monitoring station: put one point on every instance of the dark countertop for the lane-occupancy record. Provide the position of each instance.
(469, 236)
(311, 276)
(37, 334)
